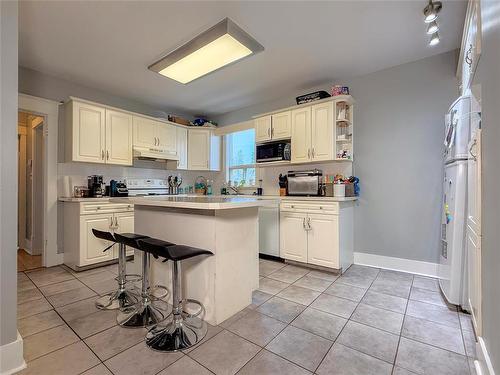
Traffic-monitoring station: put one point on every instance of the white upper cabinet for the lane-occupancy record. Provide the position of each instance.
(322, 132)
(281, 125)
(471, 46)
(167, 138)
(263, 129)
(273, 127)
(86, 132)
(182, 147)
(97, 135)
(203, 150)
(144, 132)
(155, 134)
(301, 135)
(118, 138)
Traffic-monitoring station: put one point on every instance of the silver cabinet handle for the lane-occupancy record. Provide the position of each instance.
(470, 150)
(111, 225)
(309, 223)
(116, 222)
(102, 154)
(107, 155)
(468, 59)
(269, 132)
(308, 153)
(304, 223)
(272, 132)
(313, 152)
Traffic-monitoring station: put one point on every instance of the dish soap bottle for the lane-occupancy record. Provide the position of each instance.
(209, 187)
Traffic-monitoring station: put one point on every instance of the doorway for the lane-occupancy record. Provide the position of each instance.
(30, 190)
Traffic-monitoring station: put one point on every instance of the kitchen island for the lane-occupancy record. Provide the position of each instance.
(227, 226)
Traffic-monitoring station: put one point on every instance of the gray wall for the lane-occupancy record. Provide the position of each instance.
(398, 134)
(488, 76)
(8, 171)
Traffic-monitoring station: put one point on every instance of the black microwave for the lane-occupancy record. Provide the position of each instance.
(273, 151)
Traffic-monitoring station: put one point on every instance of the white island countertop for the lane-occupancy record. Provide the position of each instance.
(197, 203)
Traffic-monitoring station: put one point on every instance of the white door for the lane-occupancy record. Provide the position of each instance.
(124, 223)
(323, 240)
(91, 247)
(167, 138)
(281, 125)
(322, 133)
(474, 230)
(89, 133)
(145, 132)
(293, 236)
(262, 129)
(182, 144)
(118, 138)
(301, 135)
(198, 149)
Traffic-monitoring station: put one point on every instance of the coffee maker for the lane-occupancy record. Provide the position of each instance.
(95, 183)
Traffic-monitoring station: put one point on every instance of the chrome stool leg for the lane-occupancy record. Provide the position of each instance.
(149, 310)
(182, 329)
(122, 297)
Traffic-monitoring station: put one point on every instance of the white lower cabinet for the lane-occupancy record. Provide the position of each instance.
(293, 237)
(317, 233)
(81, 247)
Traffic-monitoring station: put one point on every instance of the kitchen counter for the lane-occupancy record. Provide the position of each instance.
(212, 198)
(197, 202)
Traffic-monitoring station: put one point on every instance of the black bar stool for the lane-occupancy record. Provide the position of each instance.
(183, 329)
(150, 309)
(122, 297)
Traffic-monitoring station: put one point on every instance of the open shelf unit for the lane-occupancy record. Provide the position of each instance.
(344, 130)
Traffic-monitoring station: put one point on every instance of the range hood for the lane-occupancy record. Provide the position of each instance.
(154, 153)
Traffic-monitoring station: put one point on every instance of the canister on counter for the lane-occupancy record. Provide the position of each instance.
(338, 190)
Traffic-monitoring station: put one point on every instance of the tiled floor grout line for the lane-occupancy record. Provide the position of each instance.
(402, 325)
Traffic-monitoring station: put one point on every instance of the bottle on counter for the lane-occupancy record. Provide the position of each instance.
(209, 187)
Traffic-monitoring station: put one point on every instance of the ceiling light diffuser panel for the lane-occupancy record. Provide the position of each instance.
(219, 46)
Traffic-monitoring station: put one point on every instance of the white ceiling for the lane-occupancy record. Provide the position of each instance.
(109, 44)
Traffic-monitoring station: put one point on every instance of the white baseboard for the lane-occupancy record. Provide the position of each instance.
(11, 357)
(483, 364)
(397, 264)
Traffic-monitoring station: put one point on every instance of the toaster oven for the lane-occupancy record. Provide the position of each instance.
(304, 182)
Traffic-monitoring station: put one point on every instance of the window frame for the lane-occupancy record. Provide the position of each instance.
(228, 168)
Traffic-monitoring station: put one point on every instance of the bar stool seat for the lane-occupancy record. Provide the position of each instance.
(151, 309)
(123, 296)
(181, 329)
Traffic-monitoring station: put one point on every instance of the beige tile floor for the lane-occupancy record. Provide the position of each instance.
(301, 321)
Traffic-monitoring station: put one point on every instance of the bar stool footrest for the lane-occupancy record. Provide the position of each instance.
(186, 313)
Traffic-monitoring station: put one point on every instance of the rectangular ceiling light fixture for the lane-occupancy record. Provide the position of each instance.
(221, 45)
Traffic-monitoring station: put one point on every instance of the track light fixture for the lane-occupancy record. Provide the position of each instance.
(432, 28)
(431, 12)
(434, 39)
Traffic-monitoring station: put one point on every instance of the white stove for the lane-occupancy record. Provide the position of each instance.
(142, 187)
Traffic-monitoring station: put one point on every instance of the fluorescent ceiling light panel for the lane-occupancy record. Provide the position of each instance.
(221, 45)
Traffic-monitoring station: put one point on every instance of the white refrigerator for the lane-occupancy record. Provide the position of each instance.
(452, 267)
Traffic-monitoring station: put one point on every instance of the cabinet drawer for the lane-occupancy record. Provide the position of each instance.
(310, 207)
(97, 207)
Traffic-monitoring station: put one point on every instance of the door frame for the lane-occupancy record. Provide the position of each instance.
(48, 109)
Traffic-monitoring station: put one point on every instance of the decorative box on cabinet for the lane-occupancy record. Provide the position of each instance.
(81, 247)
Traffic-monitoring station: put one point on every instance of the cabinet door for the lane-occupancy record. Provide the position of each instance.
(124, 224)
(118, 138)
(474, 278)
(262, 129)
(323, 240)
(89, 133)
(293, 237)
(145, 132)
(198, 149)
(281, 125)
(322, 134)
(182, 144)
(91, 247)
(167, 138)
(301, 135)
